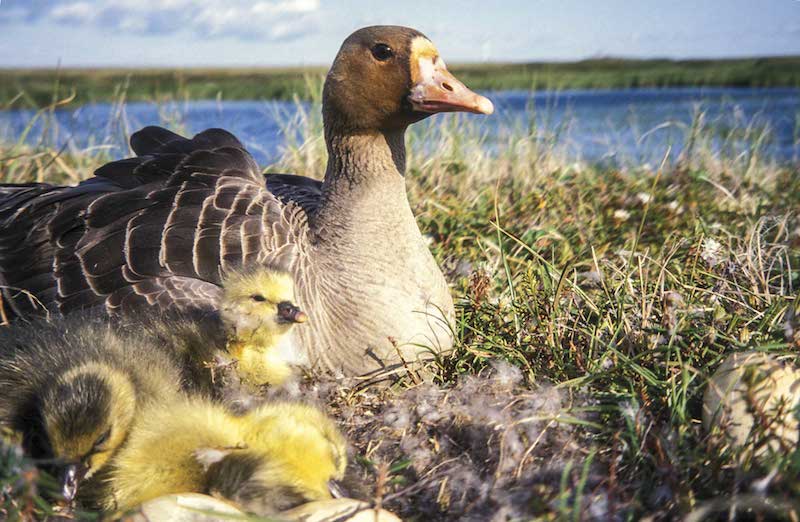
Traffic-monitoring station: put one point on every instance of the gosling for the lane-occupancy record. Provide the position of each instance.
(71, 391)
(246, 344)
(275, 457)
(258, 312)
(293, 454)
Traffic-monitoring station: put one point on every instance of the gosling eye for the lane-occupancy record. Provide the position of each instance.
(258, 298)
(102, 439)
(382, 52)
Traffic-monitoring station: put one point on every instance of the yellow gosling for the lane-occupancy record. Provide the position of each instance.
(276, 457)
(258, 311)
(294, 454)
(72, 388)
(159, 456)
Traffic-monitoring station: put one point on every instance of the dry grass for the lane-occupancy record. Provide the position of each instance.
(593, 303)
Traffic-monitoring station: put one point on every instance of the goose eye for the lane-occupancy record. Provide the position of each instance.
(258, 298)
(382, 52)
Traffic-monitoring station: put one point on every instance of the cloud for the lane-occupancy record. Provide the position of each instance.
(268, 20)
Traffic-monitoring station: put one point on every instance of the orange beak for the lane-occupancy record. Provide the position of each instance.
(439, 91)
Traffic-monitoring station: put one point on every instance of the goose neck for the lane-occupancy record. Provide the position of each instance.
(362, 159)
(364, 187)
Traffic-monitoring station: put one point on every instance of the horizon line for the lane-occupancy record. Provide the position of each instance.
(454, 64)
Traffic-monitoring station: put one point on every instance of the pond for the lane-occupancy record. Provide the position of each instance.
(611, 126)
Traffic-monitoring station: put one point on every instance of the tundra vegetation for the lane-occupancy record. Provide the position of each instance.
(36, 86)
(593, 303)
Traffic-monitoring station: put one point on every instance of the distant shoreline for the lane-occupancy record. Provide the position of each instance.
(72, 86)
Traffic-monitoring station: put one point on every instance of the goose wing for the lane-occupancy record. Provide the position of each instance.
(162, 227)
(27, 251)
(300, 190)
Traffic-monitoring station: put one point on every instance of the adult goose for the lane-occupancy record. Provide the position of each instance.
(160, 229)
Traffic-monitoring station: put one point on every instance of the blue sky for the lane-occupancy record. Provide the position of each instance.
(42, 33)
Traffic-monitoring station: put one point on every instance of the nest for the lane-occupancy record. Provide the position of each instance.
(488, 447)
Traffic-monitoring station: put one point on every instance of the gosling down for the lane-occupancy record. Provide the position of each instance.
(159, 229)
(275, 457)
(258, 312)
(247, 343)
(72, 389)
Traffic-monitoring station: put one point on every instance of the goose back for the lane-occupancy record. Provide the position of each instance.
(157, 229)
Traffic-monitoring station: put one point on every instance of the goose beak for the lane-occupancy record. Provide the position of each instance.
(71, 477)
(437, 90)
(289, 313)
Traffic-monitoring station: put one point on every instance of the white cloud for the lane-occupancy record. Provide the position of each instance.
(72, 12)
(261, 20)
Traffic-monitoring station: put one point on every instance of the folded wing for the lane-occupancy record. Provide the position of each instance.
(158, 229)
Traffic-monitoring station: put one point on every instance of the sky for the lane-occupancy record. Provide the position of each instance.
(133, 33)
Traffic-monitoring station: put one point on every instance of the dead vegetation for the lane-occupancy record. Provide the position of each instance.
(593, 304)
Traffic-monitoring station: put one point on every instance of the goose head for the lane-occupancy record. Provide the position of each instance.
(388, 77)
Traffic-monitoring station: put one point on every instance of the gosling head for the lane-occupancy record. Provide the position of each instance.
(258, 306)
(307, 444)
(86, 415)
(257, 311)
(388, 77)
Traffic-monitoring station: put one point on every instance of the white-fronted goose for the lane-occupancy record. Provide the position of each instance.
(160, 228)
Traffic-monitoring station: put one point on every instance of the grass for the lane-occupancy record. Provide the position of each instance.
(593, 303)
(35, 87)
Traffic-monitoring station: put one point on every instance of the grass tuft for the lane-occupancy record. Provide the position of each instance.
(593, 303)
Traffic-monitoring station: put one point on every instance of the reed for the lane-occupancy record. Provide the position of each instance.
(618, 289)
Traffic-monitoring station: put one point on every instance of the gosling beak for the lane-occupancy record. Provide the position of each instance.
(336, 489)
(437, 90)
(71, 477)
(289, 313)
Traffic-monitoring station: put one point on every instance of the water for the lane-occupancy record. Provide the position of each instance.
(617, 126)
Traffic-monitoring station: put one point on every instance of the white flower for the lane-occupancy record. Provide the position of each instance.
(621, 214)
(712, 252)
(629, 411)
(644, 198)
(674, 206)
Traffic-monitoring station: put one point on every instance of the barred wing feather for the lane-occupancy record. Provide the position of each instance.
(158, 229)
